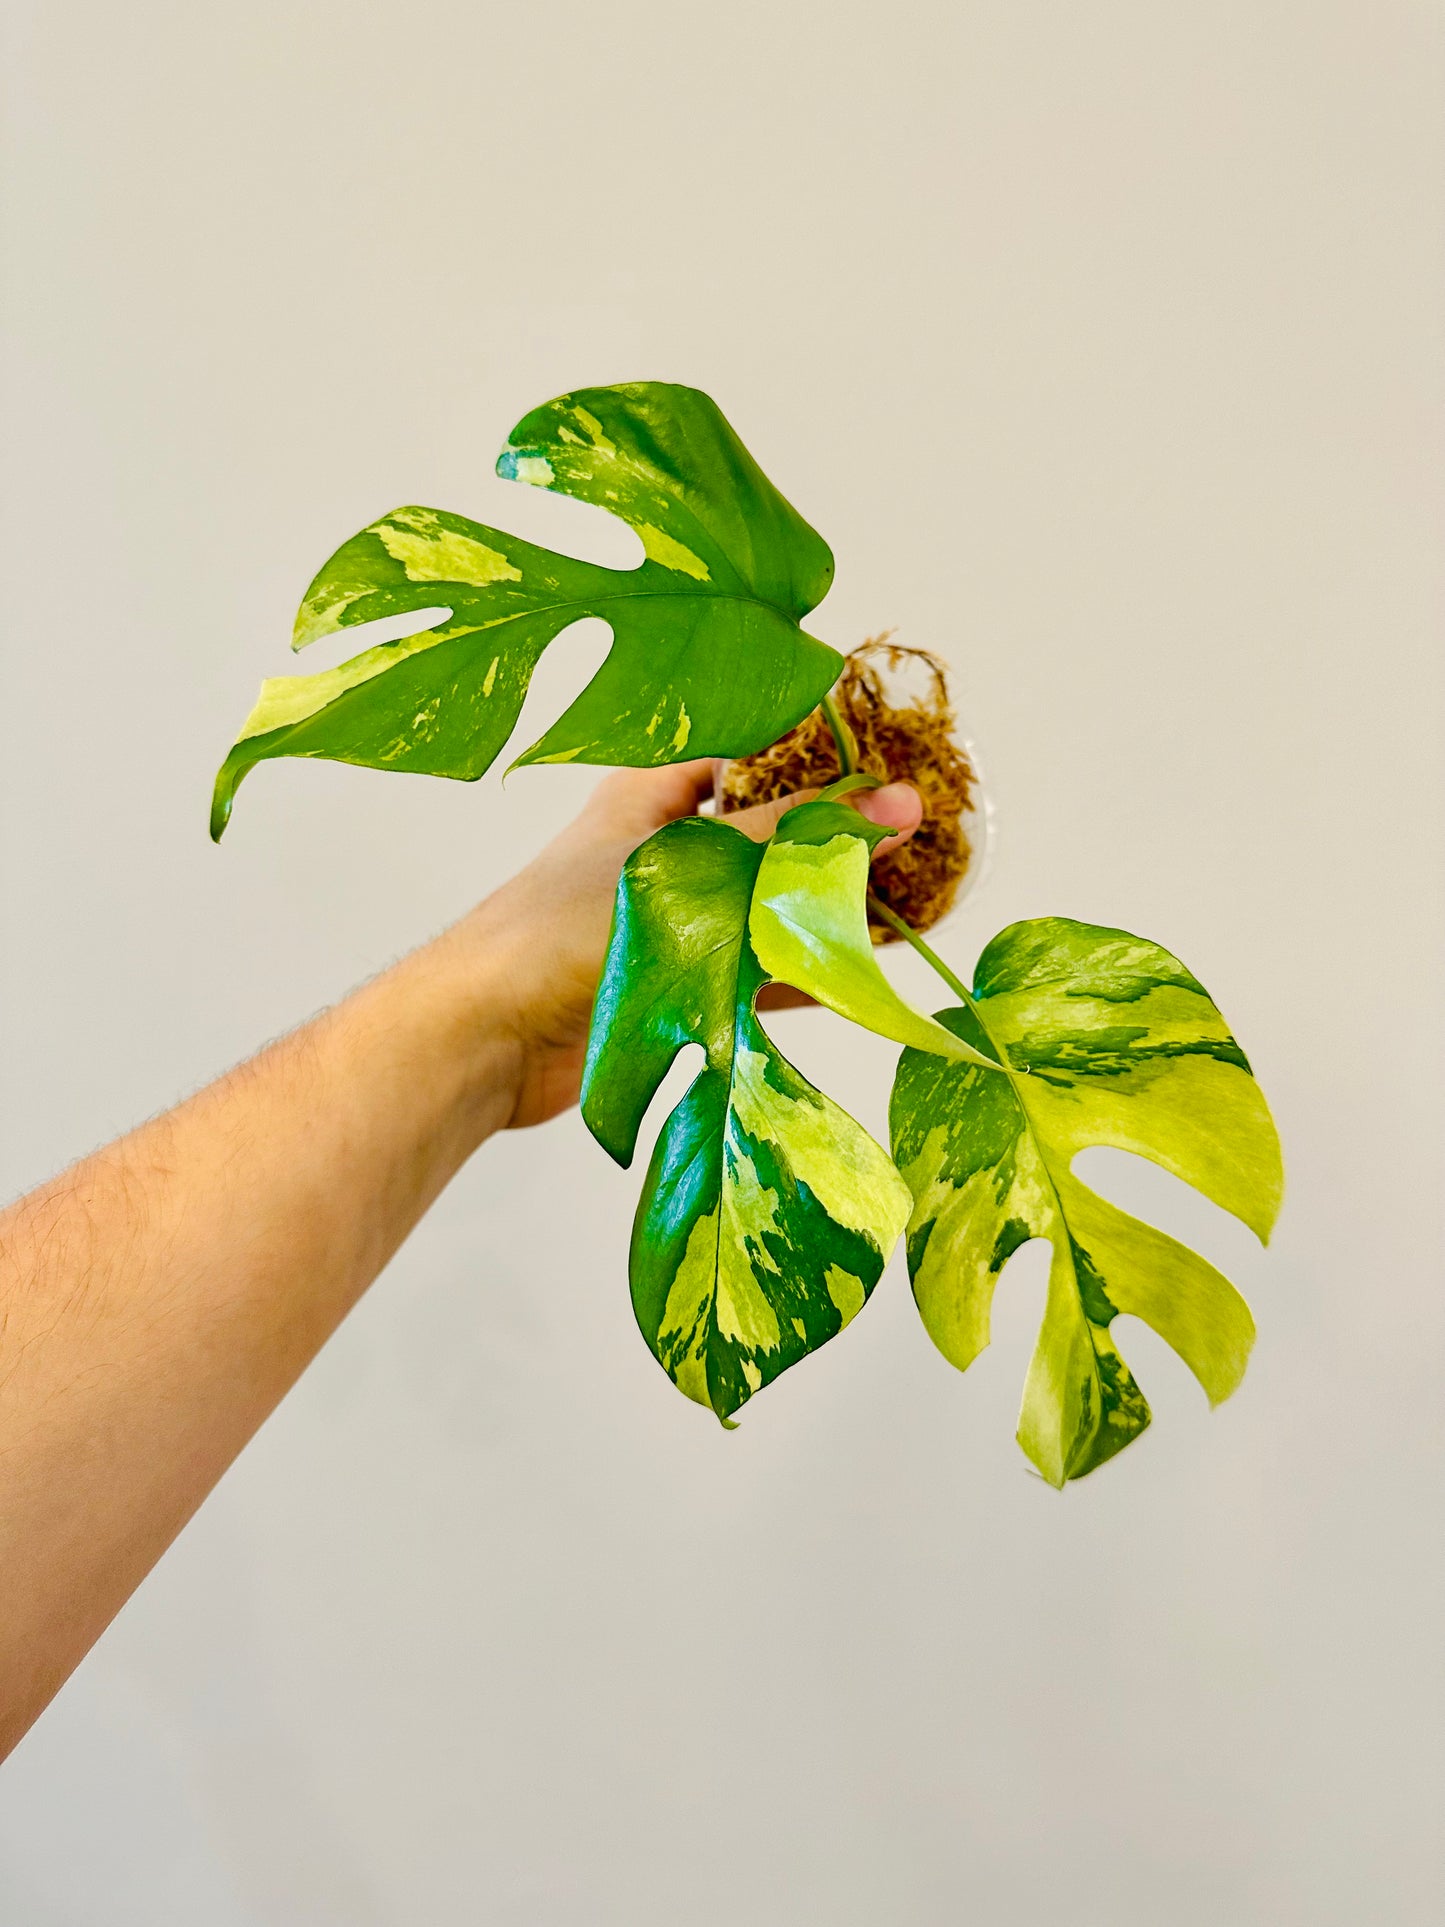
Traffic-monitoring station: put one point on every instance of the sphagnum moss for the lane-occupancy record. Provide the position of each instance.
(900, 739)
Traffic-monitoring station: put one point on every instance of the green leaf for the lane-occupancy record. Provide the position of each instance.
(1122, 1047)
(809, 926)
(767, 1214)
(707, 657)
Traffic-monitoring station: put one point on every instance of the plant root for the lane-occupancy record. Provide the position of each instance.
(898, 741)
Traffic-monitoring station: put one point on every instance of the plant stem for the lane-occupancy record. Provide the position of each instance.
(861, 779)
(842, 736)
(931, 957)
(926, 951)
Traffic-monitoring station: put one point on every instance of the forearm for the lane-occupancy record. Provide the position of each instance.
(158, 1300)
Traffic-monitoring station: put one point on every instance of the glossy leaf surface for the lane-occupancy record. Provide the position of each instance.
(809, 926)
(707, 657)
(1123, 1047)
(767, 1214)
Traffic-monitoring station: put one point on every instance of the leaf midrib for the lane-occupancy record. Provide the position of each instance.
(585, 604)
(736, 1004)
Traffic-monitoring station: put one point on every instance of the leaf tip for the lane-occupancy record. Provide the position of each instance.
(1269, 1218)
(223, 796)
(529, 465)
(616, 1143)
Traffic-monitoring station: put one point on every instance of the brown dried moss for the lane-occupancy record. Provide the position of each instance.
(898, 740)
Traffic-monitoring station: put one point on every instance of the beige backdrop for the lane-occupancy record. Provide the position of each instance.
(1103, 343)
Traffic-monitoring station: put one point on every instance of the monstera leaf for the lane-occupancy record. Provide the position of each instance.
(767, 1214)
(1121, 1047)
(707, 658)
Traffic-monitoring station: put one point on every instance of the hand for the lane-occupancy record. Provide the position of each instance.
(543, 935)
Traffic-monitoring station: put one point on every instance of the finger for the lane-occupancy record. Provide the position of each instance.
(759, 820)
(638, 801)
(898, 806)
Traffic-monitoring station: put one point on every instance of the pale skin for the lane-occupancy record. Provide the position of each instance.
(159, 1299)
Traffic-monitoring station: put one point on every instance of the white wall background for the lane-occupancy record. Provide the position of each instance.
(1103, 342)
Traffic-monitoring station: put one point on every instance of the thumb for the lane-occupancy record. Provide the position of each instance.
(897, 806)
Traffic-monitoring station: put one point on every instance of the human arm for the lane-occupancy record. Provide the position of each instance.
(159, 1299)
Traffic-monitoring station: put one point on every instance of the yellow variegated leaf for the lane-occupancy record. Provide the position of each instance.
(1110, 1041)
(809, 926)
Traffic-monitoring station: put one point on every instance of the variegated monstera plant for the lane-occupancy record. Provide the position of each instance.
(768, 1214)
